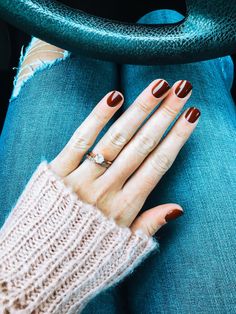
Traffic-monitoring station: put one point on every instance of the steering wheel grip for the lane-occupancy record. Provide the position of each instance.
(208, 31)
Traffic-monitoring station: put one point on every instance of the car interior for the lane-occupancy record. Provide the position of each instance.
(12, 39)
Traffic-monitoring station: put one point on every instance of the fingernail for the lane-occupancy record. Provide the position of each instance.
(160, 88)
(114, 99)
(192, 114)
(183, 88)
(173, 214)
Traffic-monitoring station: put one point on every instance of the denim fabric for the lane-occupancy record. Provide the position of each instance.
(195, 272)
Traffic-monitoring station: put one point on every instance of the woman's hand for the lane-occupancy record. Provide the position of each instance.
(139, 158)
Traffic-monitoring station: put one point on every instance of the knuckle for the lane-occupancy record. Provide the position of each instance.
(151, 228)
(79, 141)
(97, 196)
(118, 216)
(116, 138)
(98, 117)
(182, 134)
(127, 213)
(168, 111)
(143, 105)
(145, 144)
(149, 183)
(161, 162)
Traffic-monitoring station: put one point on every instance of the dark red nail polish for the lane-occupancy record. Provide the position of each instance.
(160, 88)
(192, 114)
(183, 88)
(173, 214)
(114, 99)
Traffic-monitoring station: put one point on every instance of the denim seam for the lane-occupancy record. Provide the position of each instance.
(44, 65)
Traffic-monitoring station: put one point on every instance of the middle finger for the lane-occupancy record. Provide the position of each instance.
(146, 139)
(124, 128)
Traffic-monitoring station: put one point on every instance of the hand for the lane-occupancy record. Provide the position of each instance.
(139, 158)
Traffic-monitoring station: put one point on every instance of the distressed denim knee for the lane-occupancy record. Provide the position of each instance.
(37, 56)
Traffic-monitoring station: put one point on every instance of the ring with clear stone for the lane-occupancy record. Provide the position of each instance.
(99, 159)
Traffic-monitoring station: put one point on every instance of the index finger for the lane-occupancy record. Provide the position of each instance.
(85, 135)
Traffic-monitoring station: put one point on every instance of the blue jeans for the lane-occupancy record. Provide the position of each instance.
(195, 272)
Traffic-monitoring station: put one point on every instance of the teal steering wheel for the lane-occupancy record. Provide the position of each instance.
(208, 31)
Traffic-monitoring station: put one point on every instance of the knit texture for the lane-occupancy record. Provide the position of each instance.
(57, 252)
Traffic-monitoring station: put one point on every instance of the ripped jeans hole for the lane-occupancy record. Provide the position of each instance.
(38, 56)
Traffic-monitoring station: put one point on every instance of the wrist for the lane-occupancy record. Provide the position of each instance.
(61, 251)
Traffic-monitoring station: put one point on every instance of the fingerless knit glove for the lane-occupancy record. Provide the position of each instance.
(57, 252)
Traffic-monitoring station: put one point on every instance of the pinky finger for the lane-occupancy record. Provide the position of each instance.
(153, 219)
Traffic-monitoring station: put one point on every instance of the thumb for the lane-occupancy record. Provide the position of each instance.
(153, 219)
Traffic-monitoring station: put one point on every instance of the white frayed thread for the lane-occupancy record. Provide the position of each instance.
(19, 82)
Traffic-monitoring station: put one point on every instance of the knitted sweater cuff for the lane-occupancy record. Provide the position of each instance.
(57, 252)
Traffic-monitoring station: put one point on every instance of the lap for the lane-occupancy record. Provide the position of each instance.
(195, 271)
(197, 261)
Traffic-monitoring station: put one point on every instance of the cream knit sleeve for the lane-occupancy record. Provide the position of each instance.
(57, 252)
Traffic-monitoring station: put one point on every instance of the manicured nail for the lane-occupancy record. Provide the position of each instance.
(114, 99)
(173, 214)
(183, 88)
(192, 114)
(160, 88)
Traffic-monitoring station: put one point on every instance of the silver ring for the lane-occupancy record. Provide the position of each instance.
(99, 159)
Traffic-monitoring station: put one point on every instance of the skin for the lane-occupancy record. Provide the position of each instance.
(139, 159)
